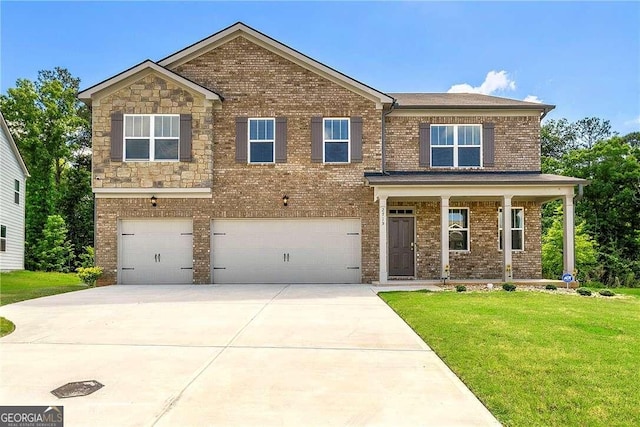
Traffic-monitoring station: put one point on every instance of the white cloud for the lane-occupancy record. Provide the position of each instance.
(495, 81)
(635, 121)
(533, 98)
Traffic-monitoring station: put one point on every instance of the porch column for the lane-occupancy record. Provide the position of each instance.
(382, 228)
(506, 238)
(444, 237)
(569, 237)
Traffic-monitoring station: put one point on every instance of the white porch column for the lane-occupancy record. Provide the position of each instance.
(382, 229)
(444, 237)
(506, 238)
(569, 236)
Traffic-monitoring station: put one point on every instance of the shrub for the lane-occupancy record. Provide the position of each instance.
(606, 293)
(509, 287)
(551, 287)
(584, 291)
(87, 259)
(89, 275)
(461, 288)
(55, 251)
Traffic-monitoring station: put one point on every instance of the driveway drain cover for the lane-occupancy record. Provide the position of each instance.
(79, 388)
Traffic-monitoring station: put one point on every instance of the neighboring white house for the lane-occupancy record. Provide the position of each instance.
(13, 174)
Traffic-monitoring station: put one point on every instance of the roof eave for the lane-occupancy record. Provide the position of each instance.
(14, 146)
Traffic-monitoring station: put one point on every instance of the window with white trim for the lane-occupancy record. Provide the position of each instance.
(151, 137)
(517, 229)
(261, 140)
(457, 146)
(3, 238)
(459, 229)
(336, 141)
(16, 191)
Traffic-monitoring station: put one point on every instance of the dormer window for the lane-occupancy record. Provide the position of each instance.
(457, 146)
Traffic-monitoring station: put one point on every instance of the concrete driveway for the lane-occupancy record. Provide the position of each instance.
(254, 355)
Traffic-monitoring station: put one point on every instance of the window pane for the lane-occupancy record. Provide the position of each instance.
(16, 185)
(517, 218)
(146, 126)
(516, 240)
(261, 152)
(336, 152)
(261, 129)
(16, 198)
(468, 156)
(458, 240)
(166, 149)
(468, 135)
(137, 149)
(442, 156)
(441, 135)
(128, 126)
(458, 218)
(336, 129)
(3, 231)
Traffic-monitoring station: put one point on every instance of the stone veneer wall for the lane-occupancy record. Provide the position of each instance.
(517, 141)
(484, 260)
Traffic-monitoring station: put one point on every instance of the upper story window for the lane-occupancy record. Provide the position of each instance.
(456, 146)
(459, 229)
(151, 137)
(262, 140)
(3, 238)
(517, 229)
(336, 139)
(16, 192)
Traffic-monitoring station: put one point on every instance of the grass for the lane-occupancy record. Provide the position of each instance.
(6, 326)
(23, 285)
(533, 358)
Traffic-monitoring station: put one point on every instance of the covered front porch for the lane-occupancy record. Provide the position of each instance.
(455, 225)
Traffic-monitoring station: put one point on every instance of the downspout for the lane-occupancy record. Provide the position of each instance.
(384, 136)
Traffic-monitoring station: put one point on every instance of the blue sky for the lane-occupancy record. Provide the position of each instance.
(583, 57)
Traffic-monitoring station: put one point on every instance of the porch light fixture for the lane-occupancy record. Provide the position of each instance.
(285, 200)
(154, 201)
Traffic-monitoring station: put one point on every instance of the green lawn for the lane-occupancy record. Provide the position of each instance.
(536, 359)
(6, 326)
(23, 285)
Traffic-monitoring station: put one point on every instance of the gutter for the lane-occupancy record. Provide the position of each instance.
(384, 136)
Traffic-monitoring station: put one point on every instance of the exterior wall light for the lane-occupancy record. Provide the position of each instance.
(154, 201)
(285, 200)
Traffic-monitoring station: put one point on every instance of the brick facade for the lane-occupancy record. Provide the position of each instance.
(255, 82)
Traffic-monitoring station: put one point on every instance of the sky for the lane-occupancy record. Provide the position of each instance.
(583, 57)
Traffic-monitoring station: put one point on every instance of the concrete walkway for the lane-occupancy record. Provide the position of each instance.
(242, 355)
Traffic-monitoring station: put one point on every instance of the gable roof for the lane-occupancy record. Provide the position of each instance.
(464, 100)
(241, 29)
(147, 65)
(13, 145)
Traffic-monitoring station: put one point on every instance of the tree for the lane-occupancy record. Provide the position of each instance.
(55, 252)
(552, 250)
(51, 127)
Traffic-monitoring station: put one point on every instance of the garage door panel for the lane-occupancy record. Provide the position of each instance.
(156, 251)
(286, 251)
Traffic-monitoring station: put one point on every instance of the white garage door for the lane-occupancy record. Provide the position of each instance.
(285, 251)
(155, 251)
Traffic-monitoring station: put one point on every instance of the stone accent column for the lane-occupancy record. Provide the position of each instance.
(506, 238)
(444, 237)
(569, 237)
(384, 245)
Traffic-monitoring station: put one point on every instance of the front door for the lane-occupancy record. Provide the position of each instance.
(401, 255)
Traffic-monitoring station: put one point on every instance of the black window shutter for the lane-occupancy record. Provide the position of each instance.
(425, 144)
(241, 139)
(316, 139)
(281, 140)
(116, 136)
(185, 137)
(488, 144)
(356, 139)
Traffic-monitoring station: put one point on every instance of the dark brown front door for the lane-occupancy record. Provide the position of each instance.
(401, 257)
